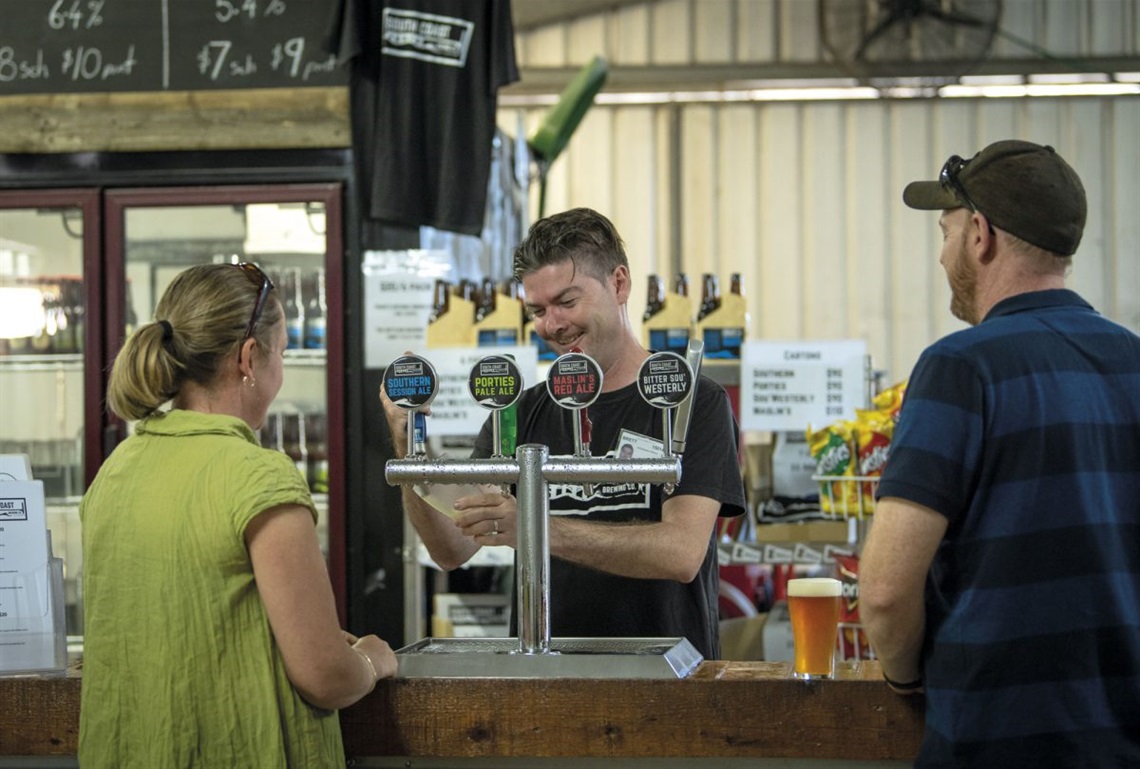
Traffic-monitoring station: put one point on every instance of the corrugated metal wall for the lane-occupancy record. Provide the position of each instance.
(804, 199)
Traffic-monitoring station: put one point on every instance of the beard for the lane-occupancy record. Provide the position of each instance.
(963, 288)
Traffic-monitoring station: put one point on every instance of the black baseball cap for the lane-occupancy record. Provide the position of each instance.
(1026, 189)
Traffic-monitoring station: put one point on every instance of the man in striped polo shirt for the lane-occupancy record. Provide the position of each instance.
(1001, 577)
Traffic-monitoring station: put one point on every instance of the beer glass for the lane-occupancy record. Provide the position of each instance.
(814, 606)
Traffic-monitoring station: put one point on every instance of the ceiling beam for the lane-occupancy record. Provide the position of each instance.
(546, 80)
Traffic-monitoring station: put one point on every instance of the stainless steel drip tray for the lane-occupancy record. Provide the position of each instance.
(568, 658)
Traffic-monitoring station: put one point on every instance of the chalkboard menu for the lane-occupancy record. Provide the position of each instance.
(71, 46)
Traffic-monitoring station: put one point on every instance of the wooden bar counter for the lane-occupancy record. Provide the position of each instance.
(725, 710)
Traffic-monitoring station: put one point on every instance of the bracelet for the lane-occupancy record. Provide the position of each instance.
(909, 686)
(371, 667)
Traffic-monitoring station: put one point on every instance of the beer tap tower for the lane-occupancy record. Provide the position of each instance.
(666, 381)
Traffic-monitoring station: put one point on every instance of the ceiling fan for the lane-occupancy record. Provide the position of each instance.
(885, 43)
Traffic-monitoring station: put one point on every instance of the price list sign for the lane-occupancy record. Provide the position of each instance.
(72, 46)
(789, 386)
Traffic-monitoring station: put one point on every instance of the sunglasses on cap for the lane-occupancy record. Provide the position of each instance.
(265, 285)
(948, 178)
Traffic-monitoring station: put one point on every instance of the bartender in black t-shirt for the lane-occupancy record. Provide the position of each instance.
(627, 559)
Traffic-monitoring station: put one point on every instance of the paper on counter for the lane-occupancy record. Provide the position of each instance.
(442, 496)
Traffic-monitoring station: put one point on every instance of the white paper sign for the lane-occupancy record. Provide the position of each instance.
(27, 624)
(398, 289)
(793, 385)
(454, 411)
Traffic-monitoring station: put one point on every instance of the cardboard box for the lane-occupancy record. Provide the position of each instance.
(742, 638)
(825, 531)
(471, 615)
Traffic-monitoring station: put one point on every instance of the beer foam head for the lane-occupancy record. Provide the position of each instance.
(814, 587)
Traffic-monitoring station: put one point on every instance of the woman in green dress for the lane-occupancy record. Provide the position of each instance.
(211, 636)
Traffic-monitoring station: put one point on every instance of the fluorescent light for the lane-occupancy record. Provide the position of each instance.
(1015, 91)
(973, 86)
(23, 313)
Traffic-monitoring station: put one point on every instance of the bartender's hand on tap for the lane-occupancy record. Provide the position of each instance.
(488, 517)
(397, 423)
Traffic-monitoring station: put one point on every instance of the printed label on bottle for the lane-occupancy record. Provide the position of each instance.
(669, 340)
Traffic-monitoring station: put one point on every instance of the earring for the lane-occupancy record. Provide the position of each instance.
(248, 380)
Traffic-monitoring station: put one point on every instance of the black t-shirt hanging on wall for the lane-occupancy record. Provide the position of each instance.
(424, 84)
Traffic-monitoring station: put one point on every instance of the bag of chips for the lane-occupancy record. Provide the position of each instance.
(873, 432)
(831, 448)
(853, 643)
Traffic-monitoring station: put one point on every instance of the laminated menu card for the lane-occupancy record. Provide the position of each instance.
(28, 641)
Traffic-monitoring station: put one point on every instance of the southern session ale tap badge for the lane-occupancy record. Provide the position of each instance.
(411, 383)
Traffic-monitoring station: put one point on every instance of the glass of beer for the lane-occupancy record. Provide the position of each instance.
(814, 606)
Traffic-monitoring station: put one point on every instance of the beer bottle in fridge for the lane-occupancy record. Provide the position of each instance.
(316, 315)
(294, 310)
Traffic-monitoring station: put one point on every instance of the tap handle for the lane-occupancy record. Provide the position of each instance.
(684, 414)
(666, 381)
(574, 382)
(496, 383)
(411, 383)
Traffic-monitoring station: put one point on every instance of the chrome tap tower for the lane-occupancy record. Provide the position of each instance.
(575, 380)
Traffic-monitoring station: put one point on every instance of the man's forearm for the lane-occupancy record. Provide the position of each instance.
(446, 544)
(896, 634)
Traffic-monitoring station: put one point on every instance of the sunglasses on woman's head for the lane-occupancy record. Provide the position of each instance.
(260, 279)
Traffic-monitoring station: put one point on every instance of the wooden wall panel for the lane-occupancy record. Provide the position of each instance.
(871, 206)
(824, 195)
(779, 312)
(1084, 148)
(756, 30)
(738, 207)
(629, 43)
(710, 43)
(1122, 225)
(699, 148)
(671, 32)
(911, 265)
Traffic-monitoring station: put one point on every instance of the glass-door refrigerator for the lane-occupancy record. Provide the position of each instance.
(50, 354)
(131, 243)
(293, 232)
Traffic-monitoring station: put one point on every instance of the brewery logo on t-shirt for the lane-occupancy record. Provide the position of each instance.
(427, 37)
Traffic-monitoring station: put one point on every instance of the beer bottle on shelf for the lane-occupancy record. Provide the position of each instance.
(681, 284)
(316, 315)
(293, 434)
(43, 341)
(486, 304)
(454, 325)
(294, 310)
(130, 317)
(317, 444)
(20, 345)
(78, 312)
(441, 301)
(710, 295)
(655, 298)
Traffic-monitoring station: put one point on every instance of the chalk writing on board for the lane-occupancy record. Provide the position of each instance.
(62, 46)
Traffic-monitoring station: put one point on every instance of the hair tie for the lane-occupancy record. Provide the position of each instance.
(167, 331)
